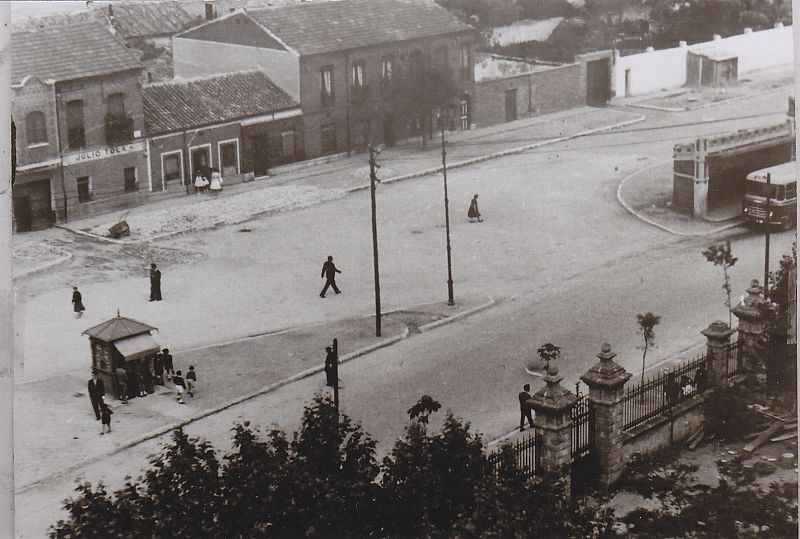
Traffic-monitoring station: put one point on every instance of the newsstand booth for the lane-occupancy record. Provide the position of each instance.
(122, 342)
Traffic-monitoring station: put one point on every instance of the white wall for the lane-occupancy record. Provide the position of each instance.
(197, 58)
(664, 69)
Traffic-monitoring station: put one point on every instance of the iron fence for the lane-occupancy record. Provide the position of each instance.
(734, 365)
(658, 394)
(525, 453)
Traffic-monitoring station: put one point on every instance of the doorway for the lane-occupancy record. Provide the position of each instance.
(598, 82)
(511, 105)
(200, 158)
(259, 150)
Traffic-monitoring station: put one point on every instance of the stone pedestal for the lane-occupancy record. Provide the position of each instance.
(718, 336)
(553, 425)
(751, 315)
(606, 381)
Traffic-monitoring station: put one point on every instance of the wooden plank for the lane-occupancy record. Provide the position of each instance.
(764, 436)
(784, 437)
(696, 438)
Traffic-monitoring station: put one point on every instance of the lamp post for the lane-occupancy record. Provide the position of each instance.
(373, 180)
(766, 239)
(450, 300)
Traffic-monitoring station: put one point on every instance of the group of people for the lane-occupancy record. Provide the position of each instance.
(203, 184)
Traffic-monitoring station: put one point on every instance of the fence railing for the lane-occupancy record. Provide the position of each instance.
(734, 365)
(525, 453)
(658, 394)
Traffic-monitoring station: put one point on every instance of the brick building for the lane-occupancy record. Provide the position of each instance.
(76, 102)
(236, 123)
(354, 65)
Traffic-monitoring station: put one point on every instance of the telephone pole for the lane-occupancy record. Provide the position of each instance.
(336, 377)
(766, 238)
(373, 180)
(450, 300)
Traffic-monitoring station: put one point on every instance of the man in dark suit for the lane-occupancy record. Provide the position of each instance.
(524, 407)
(96, 392)
(329, 271)
(155, 283)
(331, 366)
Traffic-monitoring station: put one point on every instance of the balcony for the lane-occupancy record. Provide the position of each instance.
(119, 129)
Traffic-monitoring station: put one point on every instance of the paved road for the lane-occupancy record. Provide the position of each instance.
(568, 264)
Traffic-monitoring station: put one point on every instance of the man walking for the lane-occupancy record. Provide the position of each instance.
(96, 392)
(191, 381)
(180, 386)
(329, 271)
(167, 357)
(524, 407)
(122, 384)
(155, 283)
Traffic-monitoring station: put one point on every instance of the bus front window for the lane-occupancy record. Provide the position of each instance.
(759, 189)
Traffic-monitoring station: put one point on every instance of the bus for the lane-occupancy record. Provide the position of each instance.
(782, 193)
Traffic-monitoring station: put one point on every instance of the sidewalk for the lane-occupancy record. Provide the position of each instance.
(68, 436)
(647, 194)
(319, 181)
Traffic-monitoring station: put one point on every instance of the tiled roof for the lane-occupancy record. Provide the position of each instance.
(146, 19)
(118, 328)
(183, 104)
(318, 27)
(68, 51)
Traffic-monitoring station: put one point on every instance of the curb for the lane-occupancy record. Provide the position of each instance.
(264, 390)
(435, 324)
(63, 258)
(659, 225)
(90, 235)
(502, 153)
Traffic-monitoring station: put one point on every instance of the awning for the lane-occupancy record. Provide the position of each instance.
(137, 347)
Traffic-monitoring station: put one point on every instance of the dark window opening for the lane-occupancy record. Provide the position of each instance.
(76, 135)
(172, 167)
(119, 126)
(36, 128)
(84, 189)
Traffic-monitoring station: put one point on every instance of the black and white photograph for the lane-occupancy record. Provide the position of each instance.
(398, 269)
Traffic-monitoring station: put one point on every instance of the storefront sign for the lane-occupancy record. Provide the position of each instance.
(84, 156)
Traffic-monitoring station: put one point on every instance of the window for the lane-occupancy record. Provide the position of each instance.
(36, 128)
(229, 157)
(791, 191)
(172, 165)
(466, 61)
(129, 174)
(287, 144)
(415, 67)
(357, 87)
(327, 138)
(119, 127)
(441, 60)
(387, 73)
(76, 137)
(84, 189)
(327, 88)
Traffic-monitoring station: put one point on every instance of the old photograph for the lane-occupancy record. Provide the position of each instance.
(399, 269)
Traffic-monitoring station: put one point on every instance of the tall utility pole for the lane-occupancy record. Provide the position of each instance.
(450, 300)
(373, 180)
(766, 239)
(336, 377)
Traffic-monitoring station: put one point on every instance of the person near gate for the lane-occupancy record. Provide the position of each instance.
(97, 391)
(524, 407)
(473, 212)
(329, 271)
(155, 283)
(331, 364)
(77, 302)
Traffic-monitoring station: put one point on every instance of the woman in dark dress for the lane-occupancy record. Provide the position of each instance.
(473, 212)
(77, 302)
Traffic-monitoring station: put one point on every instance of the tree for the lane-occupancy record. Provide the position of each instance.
(425, 90)
(549, 352)
(721, 255)
(647, 323)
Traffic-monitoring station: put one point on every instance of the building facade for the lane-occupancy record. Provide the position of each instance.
(76, 102)
(239, 124)
(364, 71)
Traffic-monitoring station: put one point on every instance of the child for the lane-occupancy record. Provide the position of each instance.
(105, 415)
(191, 380)
(180, 386)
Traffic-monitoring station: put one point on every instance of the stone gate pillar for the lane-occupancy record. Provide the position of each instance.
(553, 425)
(718, 336)
(751, 315)
(606, 381)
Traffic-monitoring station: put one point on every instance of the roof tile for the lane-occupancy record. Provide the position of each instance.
(184, 104)
(146, 19)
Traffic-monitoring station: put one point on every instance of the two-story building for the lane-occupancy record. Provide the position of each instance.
(76, 102)
(364, 71)
(236, 123)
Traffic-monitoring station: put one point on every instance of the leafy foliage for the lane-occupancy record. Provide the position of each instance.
(722, 255)
(728, 417)
(647, 323)
(549, 352)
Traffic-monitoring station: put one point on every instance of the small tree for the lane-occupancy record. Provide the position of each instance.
(721, 255)
(647, 323)
(549, 352)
